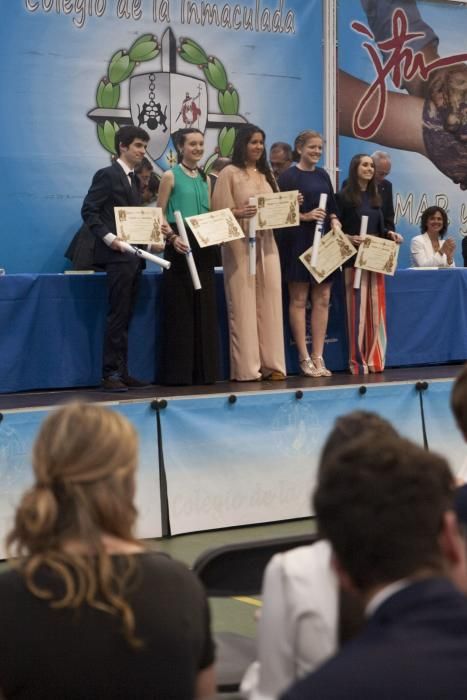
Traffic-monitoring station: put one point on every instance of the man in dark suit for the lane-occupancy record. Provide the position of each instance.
(386, 506)
(116, 186)
(382, 161)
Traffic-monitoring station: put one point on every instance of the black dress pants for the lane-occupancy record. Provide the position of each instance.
(122, 288)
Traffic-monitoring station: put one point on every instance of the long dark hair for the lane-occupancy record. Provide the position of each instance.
(351, 189)
(430, 211)
(179, 138)
(243, 138)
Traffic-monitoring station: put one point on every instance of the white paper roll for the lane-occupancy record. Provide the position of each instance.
(147, 256)
(323, 199)
(189, 256)
(252, 237)
(358, 273)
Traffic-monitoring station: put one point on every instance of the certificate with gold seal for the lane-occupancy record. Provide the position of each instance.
(334, 249)
(139, 225)
(277, 210)
(215, 227)
(377, 255)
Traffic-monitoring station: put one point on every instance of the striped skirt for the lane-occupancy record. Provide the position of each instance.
(366, 322)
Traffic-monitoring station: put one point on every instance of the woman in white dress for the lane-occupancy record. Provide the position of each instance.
(429, 249)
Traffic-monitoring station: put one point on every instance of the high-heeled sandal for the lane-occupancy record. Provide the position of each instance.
(308, 369)
(320, 367)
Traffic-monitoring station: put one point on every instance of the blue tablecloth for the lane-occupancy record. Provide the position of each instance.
(51, 326)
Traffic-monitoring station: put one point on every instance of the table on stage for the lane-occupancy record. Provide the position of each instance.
(52, 326)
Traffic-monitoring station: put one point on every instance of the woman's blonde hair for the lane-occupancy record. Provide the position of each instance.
(84, 461)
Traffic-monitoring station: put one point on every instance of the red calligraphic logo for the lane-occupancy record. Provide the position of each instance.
(402, 64)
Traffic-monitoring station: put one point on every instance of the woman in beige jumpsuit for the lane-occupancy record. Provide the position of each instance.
(254, 302)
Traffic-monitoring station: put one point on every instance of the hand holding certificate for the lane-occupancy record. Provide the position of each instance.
(139, 225)
(277, 210)
(377, 255)
(334, 249)
(215, 227)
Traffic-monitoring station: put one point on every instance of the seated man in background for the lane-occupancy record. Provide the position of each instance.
(386, 506)
(280, 157)
(459, 408)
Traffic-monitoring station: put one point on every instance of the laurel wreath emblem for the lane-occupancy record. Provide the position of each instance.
(145, 48)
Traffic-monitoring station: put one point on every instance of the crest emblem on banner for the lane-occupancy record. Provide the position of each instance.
(163, 101)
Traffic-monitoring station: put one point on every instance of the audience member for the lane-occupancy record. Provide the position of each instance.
(459, 408)
(86, 612)
(429, 249)
(386, 506)
(302, 616)
(280, 157)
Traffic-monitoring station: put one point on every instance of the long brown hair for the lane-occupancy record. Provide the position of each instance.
(84, 460)
(351, 189)
(242, 139)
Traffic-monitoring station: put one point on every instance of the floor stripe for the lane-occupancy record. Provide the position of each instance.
(248, 600)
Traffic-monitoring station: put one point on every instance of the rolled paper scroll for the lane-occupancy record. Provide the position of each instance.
(323, 199)
(144, 254)
(253, 202)
(358, 271)
(189, 256)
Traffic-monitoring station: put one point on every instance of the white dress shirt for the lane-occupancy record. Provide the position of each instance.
(423, 255)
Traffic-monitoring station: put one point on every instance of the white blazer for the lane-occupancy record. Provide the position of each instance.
(423, 255)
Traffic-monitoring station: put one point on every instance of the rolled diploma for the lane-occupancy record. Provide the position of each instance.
(189, 256)
(147, 256)
(358, 271)
(323, 198)
(252, 237)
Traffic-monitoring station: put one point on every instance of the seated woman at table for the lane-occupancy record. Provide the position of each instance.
(254, 302)
(366, 306)
(429, 249)
(94, 615)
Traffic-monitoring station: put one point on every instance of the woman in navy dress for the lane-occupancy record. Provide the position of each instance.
(311, 182)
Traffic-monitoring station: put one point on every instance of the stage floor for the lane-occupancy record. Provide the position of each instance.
(43, 399)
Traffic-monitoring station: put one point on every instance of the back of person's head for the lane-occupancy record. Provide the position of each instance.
(219, 164)
(84, 462)
(381, 504)
(459, 401)
(428, 213)
(127, 134)
(353, 425)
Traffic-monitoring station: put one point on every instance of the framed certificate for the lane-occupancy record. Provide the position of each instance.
(334, 249)
(139, 225)
(377, 255)
(277, 210)
(215, 227)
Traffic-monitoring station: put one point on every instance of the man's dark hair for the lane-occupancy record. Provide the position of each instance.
(459, 401)
(282, 145)
(127, 134)
(353, 425)
(380, 502)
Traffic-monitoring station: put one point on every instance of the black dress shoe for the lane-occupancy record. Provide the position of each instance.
(113, 384)
(133, 383)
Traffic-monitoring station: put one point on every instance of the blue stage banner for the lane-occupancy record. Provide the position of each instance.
(74, 72)
(18, 430)
(148, 498)
(443, 435)
(390, 98)
(255, 460)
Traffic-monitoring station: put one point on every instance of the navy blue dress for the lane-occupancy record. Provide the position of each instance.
(294, 241)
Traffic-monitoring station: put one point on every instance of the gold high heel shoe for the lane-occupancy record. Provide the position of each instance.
(320, 367)
(308, 369)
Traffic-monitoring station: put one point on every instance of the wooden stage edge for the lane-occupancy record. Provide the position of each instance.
(44, 399)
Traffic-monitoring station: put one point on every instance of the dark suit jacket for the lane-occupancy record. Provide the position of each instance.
(414, 647)
(385, 190)
(109, 188)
